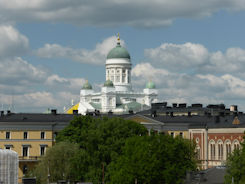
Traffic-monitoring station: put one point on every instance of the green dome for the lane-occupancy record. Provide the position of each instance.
(150, 85)
(87, 86)
(118, 52)
(108, 83)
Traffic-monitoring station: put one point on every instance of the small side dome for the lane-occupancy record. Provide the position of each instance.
(87, 85)
(150, 85)
(108, 83)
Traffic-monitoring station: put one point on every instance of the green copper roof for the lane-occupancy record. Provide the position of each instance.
(108, 83)
(96, 105)
(87, 86)
(150, 85)
(118, 52)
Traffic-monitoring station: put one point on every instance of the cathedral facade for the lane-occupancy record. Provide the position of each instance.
(116, 95)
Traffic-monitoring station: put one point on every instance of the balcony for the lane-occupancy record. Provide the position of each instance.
(29, 158)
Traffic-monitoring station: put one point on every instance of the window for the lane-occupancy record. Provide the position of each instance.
(8, 147)
(181, 134)
(220, 151)
(228, 149)
(172, 134)
(236, 146)
(197, 140)
(42, 135)
(42, 150)
(25, 135)
(55, 135)
(123, 79)
(117, 78)
(112, 78)
(7, 135)
(25, 169)
(25, 151)
(212, 150)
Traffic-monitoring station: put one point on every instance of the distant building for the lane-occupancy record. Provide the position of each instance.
(30, 135)
(116, 95)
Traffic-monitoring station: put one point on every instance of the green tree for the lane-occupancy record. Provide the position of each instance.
(236, 167)
(101, 140)
(153, 159)
(58, 163)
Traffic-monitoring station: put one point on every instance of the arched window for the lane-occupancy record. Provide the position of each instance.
(228, 148)
(236, 144)
(220, 150)
(212, 150)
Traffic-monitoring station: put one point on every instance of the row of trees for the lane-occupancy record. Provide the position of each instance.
(103, 150)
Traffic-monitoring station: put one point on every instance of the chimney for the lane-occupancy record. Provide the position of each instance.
(175, 104)
(53, 111)
(233, 108)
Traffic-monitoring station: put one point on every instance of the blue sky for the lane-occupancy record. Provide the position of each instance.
(193, 50)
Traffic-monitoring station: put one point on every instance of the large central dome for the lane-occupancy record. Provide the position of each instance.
(118, 52)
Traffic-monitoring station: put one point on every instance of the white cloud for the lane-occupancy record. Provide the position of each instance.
(95, 56)
(139, 13)
(175, 87)
(12, 42)
(178, 57)
(16, 71)
(195, 58)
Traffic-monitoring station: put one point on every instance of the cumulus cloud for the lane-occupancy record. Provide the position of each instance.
(16, 71)
(195, 58)
(96, 56)
(12, 42)
(175, 87)
(138, 13)
(178, 57)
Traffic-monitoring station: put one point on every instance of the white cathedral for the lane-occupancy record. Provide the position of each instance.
(117, 95)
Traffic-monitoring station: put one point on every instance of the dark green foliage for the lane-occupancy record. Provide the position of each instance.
(153, 159)
(58, 162)
(236, 167)
(116, 151)
(101, 141)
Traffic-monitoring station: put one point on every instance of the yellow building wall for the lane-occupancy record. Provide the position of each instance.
(34, 151)
(176, 133)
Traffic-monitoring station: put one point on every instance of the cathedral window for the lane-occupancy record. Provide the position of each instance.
(123, 79)
(117, 78)
(123, 71)
(112, 78)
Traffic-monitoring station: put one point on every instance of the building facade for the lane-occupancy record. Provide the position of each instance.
(30, 135)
